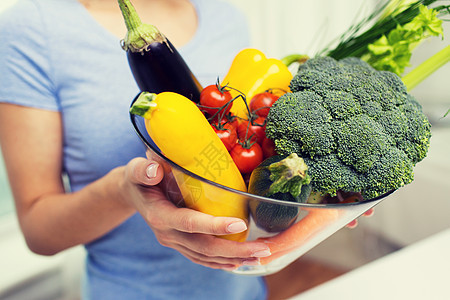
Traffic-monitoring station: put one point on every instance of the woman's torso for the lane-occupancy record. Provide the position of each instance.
(84, 73)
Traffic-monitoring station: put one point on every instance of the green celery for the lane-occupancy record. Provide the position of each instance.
(392, 52)
(425, 69)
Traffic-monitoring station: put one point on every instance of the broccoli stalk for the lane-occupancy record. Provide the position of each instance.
(288, 175)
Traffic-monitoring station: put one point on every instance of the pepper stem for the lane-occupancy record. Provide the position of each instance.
(139, 35)
(144, 104)
(294, 58)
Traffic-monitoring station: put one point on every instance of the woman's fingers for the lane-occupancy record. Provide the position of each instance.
(210, 264)
(145, 172)
(354, 223)
(216, 252)
(218, 261)
(369, 212)
(195, 234)
(213, 247)
(192, 233)
(163, 213)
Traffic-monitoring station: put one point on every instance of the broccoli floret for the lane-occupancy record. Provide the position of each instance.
(372, 109)
(341, 105)
(394, 123)
(309, 127)
(311, 80)
(357, 128)
(326, 63)
(288, 145)
(354, 62)
(344, 177)
(360, 140)
(417, 138)
(392, 170)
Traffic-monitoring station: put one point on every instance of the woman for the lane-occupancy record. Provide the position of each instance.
(65, 89)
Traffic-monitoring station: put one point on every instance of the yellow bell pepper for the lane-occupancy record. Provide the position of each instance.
(183, 134)
(251, 72)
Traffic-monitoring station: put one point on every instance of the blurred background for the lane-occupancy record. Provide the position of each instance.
(279, 28)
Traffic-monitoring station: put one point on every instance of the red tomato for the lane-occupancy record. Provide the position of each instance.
(268, 148)
(227, 119)
(247, 159)
(261, 103)
(227, 134)
(232, 119)
(255, 130)
(215, 98)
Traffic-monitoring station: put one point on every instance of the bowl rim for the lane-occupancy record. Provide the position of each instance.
(157, 151)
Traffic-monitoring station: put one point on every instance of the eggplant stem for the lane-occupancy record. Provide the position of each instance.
(130, 15)
(139, 35)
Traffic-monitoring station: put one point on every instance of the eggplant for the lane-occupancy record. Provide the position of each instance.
(280, 177)
(155, 63)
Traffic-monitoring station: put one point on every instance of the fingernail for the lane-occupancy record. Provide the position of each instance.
(229, 268)
(261, 253)
(251, 262)
(152, 169)
(352, 224)
(369, 213)
(237, 227)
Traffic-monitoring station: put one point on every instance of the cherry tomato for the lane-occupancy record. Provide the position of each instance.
(215, 98)
(227, 119)
(227, 134)
(256, 130)
(268, 148)
(247, 159)
(231, 119)
(260, 103)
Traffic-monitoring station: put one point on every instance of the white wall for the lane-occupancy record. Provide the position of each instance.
(281, 27)
(5, 4)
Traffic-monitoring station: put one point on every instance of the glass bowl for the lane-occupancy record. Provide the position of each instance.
(302, 226)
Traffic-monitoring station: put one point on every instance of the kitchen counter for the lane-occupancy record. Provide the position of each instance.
(418, 271)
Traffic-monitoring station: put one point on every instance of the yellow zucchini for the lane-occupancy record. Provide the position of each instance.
(184, 135)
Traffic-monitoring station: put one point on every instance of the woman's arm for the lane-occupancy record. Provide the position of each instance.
(52, 220)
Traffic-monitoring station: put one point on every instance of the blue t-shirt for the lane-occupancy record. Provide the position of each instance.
(55, 56)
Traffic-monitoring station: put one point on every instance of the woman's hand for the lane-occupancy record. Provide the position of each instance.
(192, 233)
(354, 223)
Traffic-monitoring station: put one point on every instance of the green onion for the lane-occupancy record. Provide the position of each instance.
(354, 41)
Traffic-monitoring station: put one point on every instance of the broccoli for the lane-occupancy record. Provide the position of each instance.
(357, 128)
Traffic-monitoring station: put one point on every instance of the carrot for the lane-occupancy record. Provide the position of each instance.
(298, 233)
